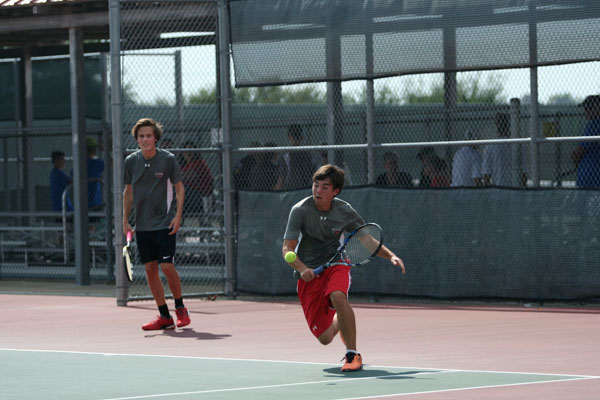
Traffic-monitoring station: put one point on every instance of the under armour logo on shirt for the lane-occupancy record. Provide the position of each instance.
(322, 218)
(146, 165)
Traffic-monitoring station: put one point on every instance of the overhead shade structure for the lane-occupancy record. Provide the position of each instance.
(281, 42)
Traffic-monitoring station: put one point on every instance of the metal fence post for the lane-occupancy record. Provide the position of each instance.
(117, 143)
(78, 137)
(535, 106)
(225, 101)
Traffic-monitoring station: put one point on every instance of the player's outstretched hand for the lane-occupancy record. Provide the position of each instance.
(398, 263)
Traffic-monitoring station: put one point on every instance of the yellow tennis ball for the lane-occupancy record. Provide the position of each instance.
(290, 256)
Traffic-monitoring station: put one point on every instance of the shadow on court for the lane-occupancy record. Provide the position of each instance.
(373, 373)
(189, 333)
(151, 306)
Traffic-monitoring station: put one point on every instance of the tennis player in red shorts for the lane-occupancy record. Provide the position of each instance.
(313, 231)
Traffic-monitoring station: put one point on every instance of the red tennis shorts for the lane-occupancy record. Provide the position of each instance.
(314, 296)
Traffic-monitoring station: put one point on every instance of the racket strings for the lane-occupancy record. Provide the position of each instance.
(363, 244)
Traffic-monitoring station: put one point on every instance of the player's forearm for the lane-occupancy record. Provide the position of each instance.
(386, 253)
(287, 247)
(393, 258)
(297, 264)
(180, 193)
(127, 203)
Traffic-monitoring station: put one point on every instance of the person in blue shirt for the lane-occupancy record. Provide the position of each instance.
(95, 168)
(59, 181)
(586, 155)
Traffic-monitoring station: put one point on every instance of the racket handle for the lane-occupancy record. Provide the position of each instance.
(129, 233)
(319, 270)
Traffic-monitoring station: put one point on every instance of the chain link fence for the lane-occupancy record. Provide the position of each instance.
(415, 148)
(36, 211)
(434, 142)
(36, 220)
(168, 60)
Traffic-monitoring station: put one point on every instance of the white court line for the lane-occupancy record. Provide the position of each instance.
(471, 388)
(263, 386)
(296, 362)
(350, 380)
(208, 358)
(431, 372)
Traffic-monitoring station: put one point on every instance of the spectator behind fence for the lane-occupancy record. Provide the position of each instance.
(166, 143)
(268, 174)
(322, 156)
(466, 164)
(496, 164)
(242, 172)
(391, 176)
(586, 155)
(299, 164)
(197, 180)
(435, 169)
(59, 181)
(95, 169)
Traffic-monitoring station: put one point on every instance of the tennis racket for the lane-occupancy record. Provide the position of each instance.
(358, 248)
(127, 258)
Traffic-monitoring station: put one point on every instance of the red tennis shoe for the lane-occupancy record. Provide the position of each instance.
(183, 317)
(159, 323)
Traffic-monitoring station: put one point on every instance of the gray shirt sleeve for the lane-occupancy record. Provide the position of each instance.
(293, 229)
(175, 171)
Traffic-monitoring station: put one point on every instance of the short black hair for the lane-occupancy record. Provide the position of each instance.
(56, 154)
(425, 152)
(390, 156)
(295, 131)
(502, 121)
(591, 101)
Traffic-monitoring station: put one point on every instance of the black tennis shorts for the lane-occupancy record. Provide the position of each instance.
(156, 246)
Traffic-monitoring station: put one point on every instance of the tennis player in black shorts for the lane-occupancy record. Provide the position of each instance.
(151, 174)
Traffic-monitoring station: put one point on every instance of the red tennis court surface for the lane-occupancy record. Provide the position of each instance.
(562, 341)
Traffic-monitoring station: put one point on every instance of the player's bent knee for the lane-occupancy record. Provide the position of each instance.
(325, 339)
(325, 342)
(337, 297)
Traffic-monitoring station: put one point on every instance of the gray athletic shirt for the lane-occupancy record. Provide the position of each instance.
(152, 180)
(319, 231)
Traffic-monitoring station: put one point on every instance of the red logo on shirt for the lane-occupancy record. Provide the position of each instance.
(158, 175)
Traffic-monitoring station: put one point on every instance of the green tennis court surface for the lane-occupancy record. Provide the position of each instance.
(75, 375)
